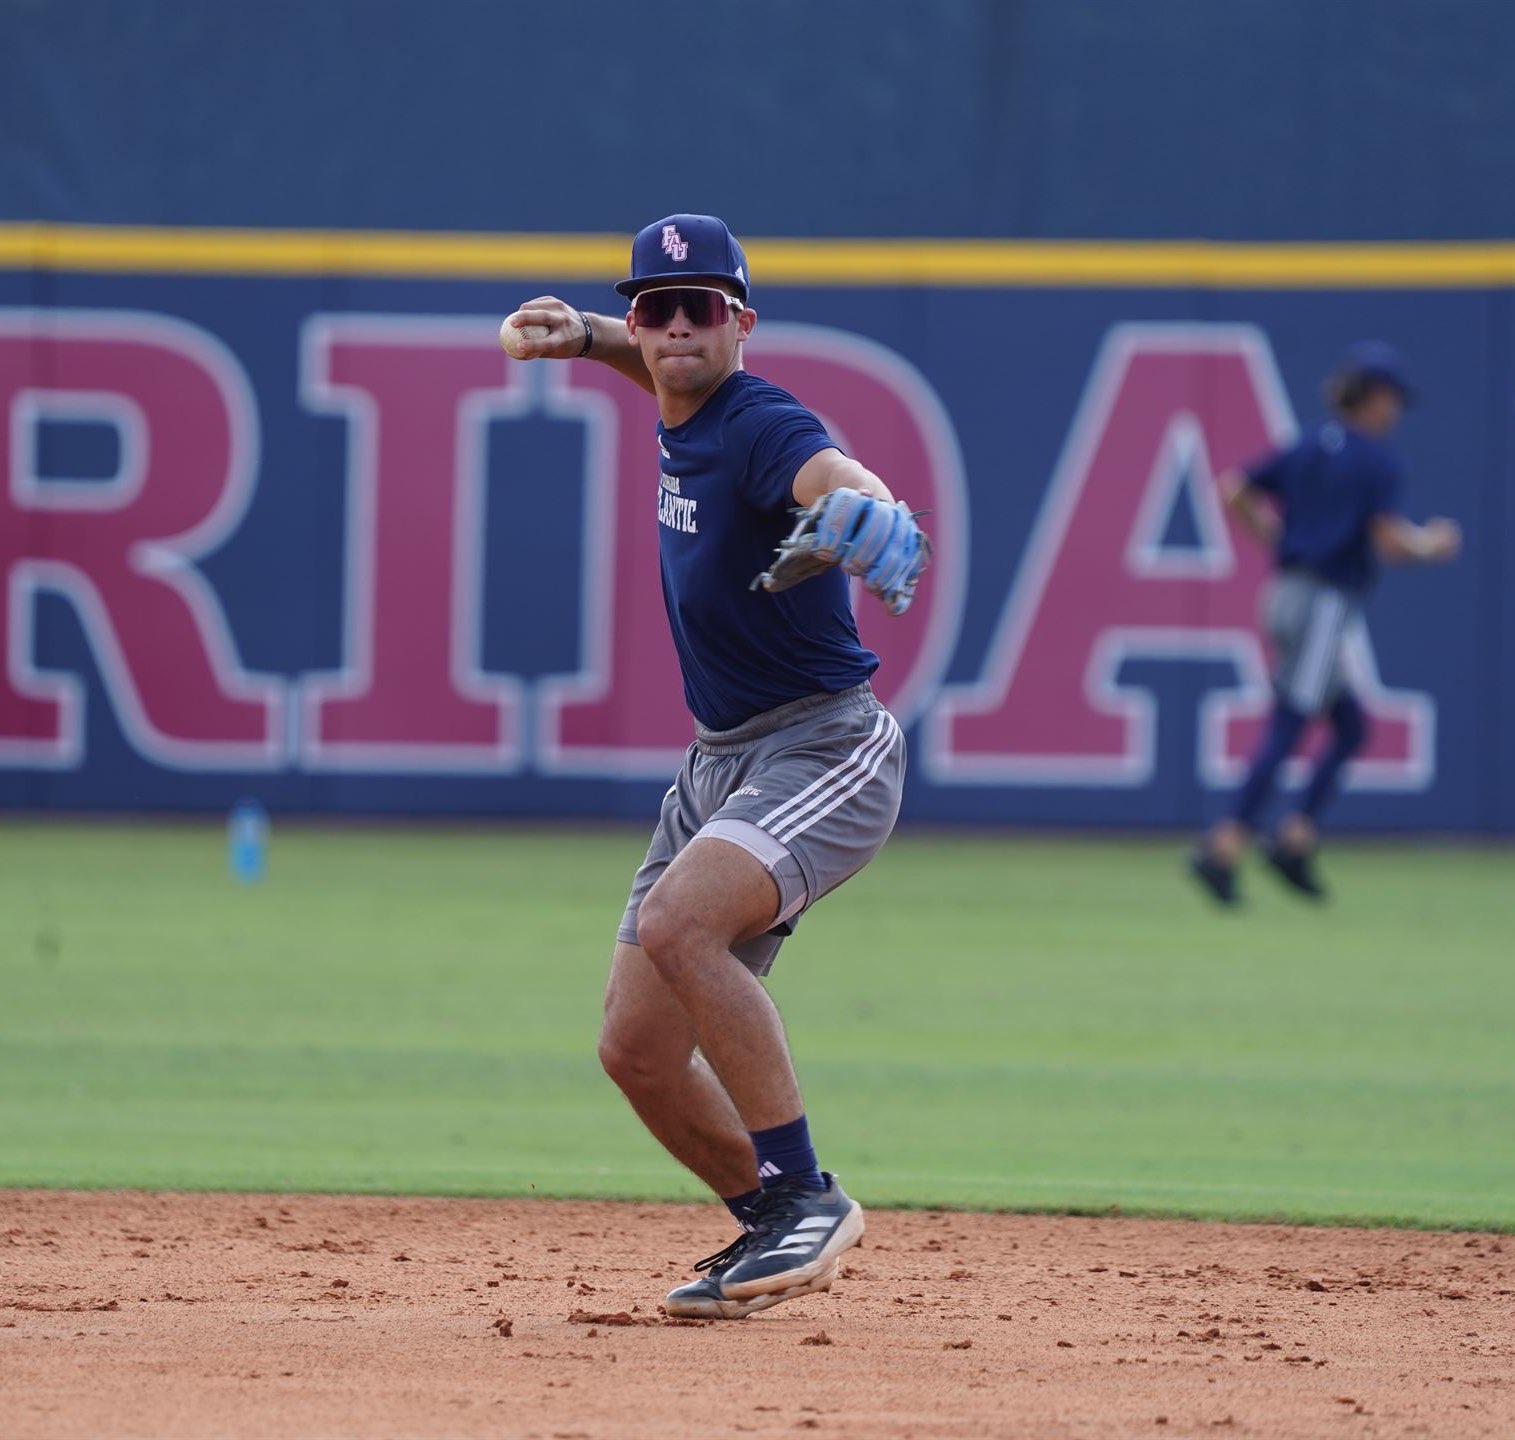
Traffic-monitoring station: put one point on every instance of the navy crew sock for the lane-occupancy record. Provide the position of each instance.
(785, 1153)
(741, 1205)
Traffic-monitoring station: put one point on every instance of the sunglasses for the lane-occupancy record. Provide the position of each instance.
(702, 307)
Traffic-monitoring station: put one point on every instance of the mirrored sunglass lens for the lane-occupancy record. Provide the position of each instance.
(709, 307)
(655, 308)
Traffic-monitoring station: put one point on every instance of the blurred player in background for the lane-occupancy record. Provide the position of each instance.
(1329, 507)
(793, 782)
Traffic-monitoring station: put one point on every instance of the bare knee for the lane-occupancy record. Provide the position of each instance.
(646, 1041)
(639, 1065)
(624, 1063)
(667, 937)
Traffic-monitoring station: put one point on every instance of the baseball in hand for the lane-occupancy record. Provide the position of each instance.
(513, 340)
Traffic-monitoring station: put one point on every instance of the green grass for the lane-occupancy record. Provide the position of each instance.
(1031, 1024)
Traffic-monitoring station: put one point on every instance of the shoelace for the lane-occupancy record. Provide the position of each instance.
(776, 1207)
(724, 1259)
(767, 1215)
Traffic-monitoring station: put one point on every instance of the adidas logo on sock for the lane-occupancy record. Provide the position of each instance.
(767, 1170)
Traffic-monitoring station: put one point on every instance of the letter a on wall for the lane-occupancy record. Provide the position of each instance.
(1104, 581)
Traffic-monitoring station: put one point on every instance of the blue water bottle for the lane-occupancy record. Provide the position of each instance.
(247, 841)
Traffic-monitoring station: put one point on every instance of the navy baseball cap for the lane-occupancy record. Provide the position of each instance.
(1372, 362)
(685, 250)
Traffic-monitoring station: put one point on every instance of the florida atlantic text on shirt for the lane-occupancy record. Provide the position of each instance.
(674, 509)
(725, 501)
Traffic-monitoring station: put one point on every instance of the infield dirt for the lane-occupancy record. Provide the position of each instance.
(171, 1315)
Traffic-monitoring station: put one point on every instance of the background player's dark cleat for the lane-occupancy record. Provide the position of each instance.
(796, 1235)
(703, 1299)
(1296, 869)
(1218, 879)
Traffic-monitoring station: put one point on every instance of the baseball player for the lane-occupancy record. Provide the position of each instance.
(1329, 506)
(793, 781)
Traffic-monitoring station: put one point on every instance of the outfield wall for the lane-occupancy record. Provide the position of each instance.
(277, 516)
(281, 519)
(1242, 120)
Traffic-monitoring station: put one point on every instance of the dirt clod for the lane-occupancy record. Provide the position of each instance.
(616, 1317)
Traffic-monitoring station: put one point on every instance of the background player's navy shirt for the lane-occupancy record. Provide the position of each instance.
(1331, 484)
(725, 501)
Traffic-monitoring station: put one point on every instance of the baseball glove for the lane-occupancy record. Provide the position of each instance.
(878, 542)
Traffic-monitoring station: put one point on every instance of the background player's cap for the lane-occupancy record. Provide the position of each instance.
(686, 249)
(1370, 363)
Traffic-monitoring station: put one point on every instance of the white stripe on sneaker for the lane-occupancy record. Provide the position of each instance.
(797, 1240)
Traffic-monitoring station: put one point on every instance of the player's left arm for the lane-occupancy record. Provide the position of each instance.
(849, 518)
(1401, 542)
(829, 470)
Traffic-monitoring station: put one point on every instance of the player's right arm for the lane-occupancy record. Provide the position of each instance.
(1400, 541)
(610, 341)
(1251, 506)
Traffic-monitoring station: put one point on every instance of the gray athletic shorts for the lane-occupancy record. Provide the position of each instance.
(1308, 622)
(811, 789)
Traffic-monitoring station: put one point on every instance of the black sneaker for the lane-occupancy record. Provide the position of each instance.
(796, 1235)
(1218, 879)
(1296, 868)
(704, 1299)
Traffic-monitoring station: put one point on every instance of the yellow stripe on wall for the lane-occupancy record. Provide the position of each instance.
(308, 252)
(980, 263)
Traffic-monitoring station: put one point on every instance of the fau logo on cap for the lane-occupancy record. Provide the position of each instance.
(674, 244)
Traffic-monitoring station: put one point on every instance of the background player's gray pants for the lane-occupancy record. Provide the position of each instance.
(1308, 622)
(820, 778)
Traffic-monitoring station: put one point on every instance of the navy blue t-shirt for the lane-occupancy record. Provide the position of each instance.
(725, 501)
(1330, 485)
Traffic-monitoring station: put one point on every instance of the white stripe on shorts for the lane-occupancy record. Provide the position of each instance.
(1318, 654)
(829, 777)
(837, 785)
(885, 745)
